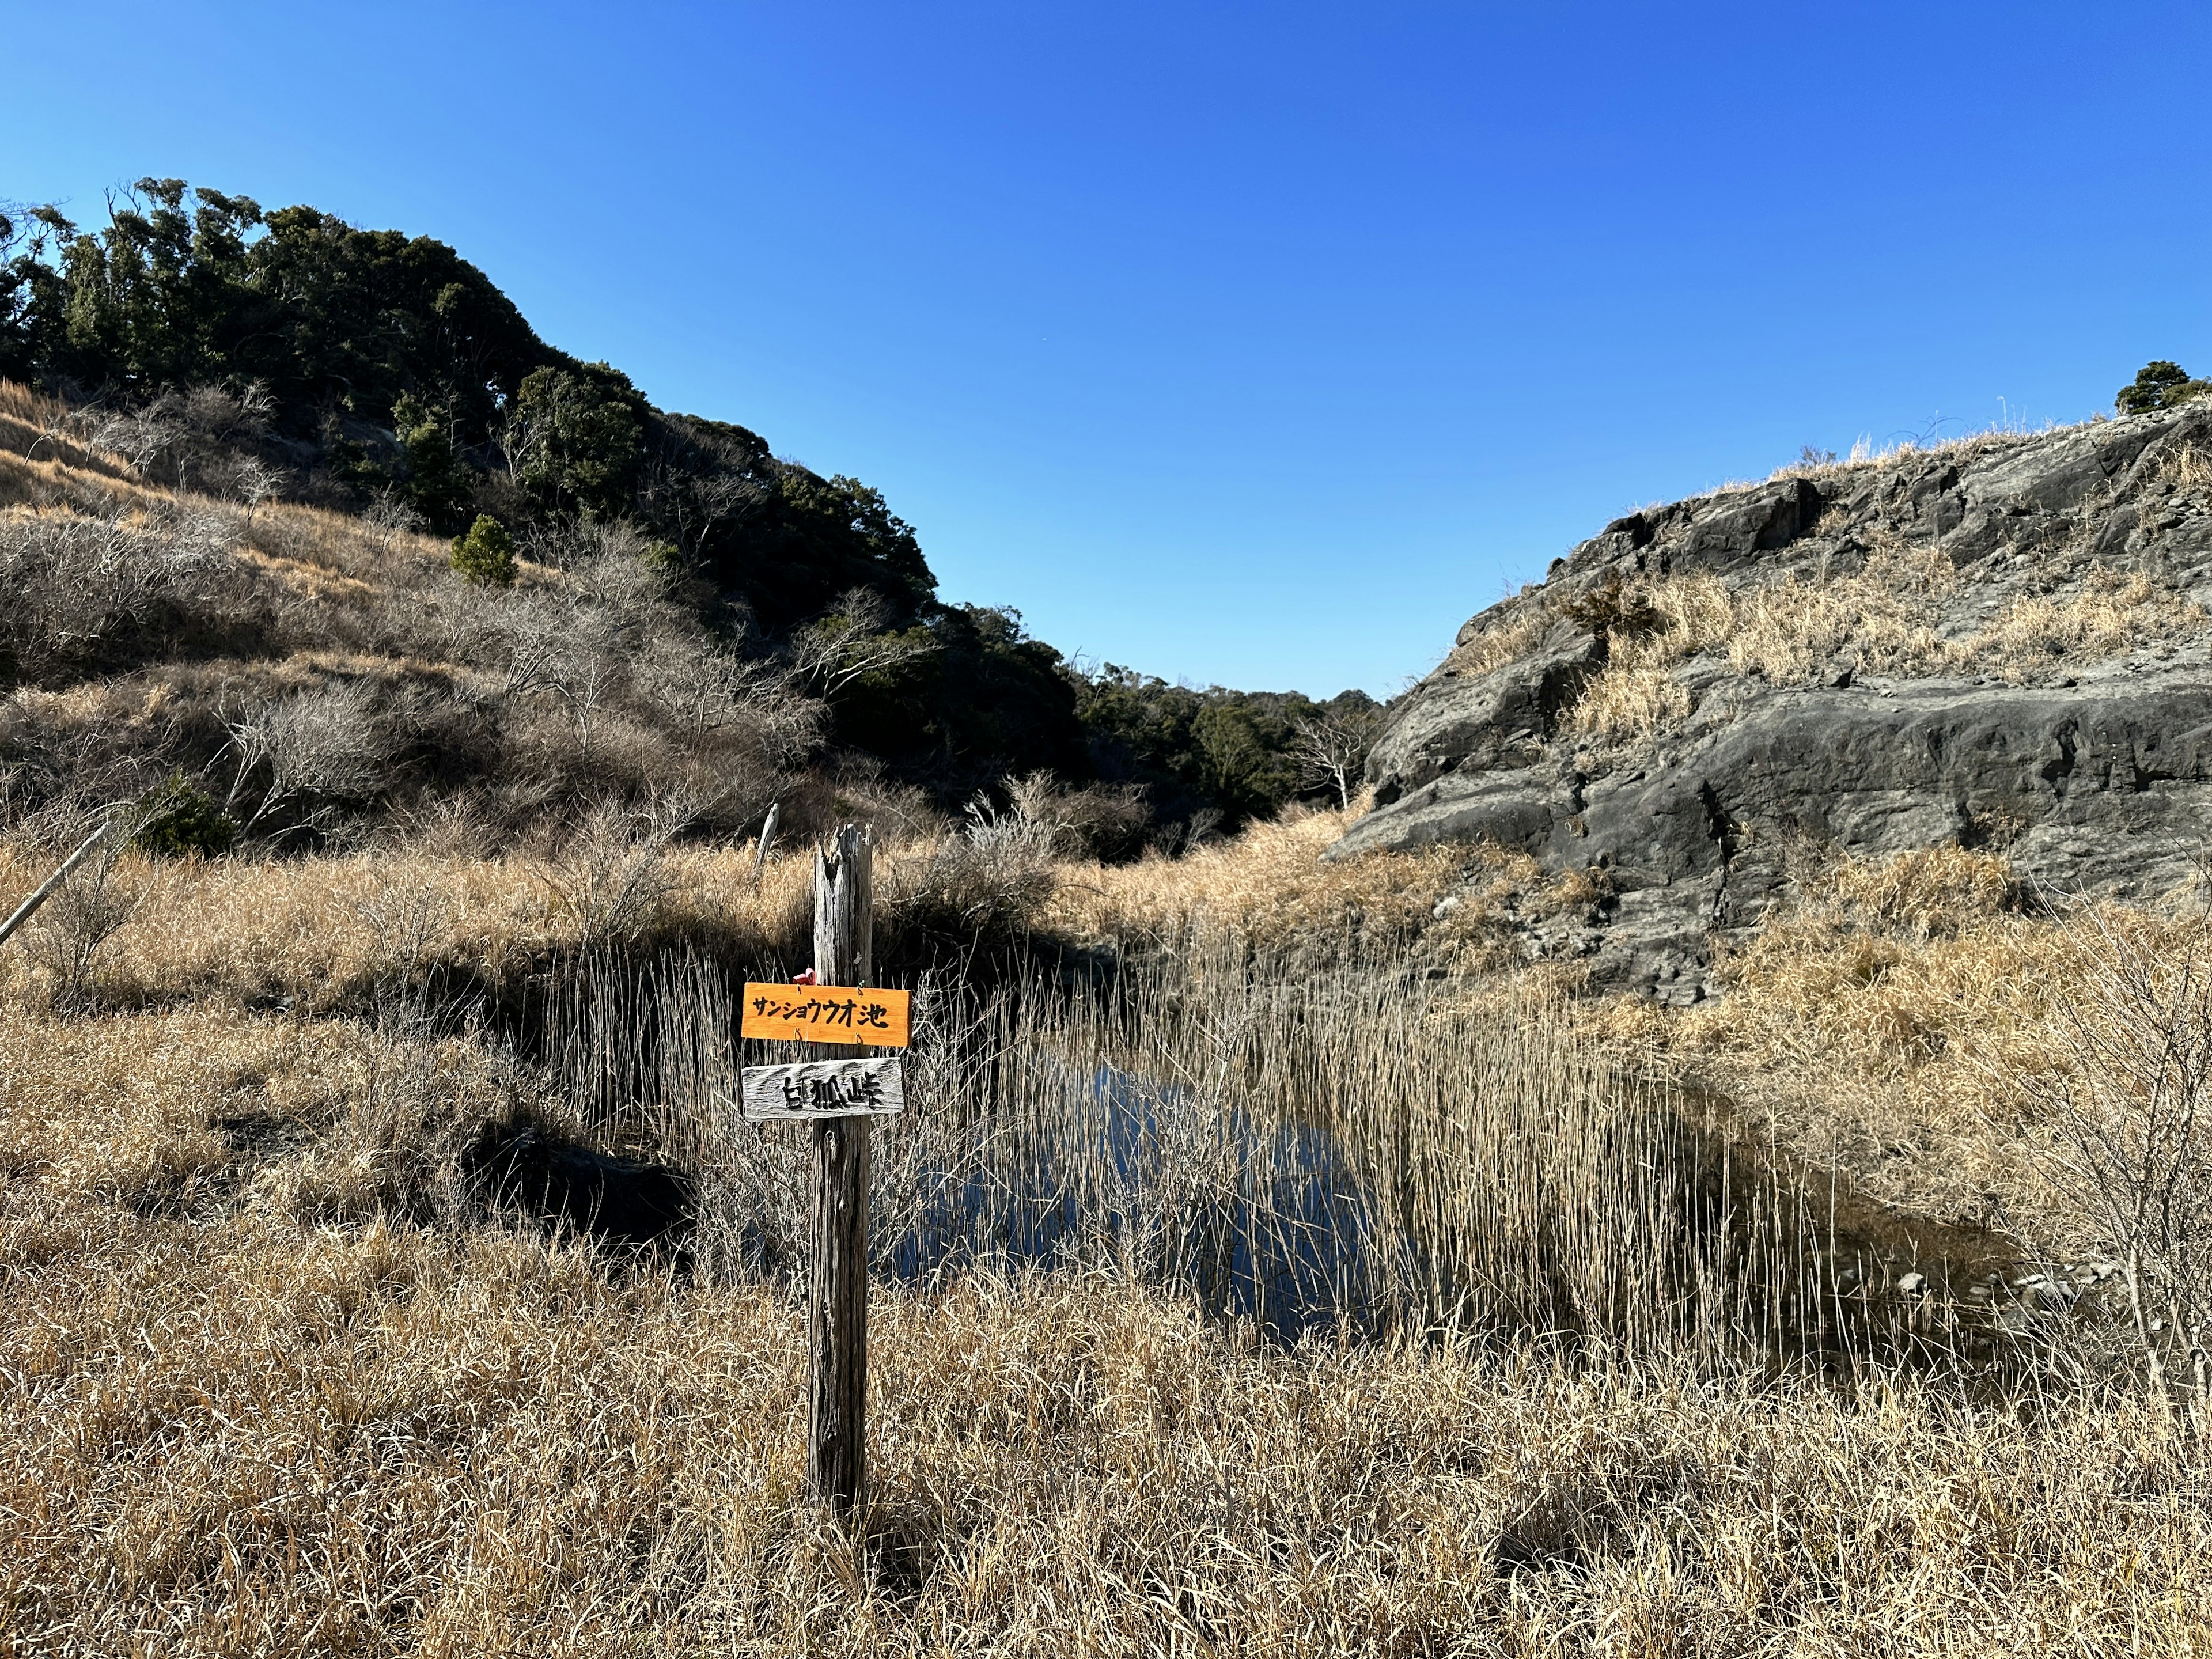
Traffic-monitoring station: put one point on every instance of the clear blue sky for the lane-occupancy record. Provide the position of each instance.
(1250, 344)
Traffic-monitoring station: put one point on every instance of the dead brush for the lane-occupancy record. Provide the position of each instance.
(988, 879)
(2129, 1146)
(611, 882)
(1270, 888)
(69, 934)
(2188, 465)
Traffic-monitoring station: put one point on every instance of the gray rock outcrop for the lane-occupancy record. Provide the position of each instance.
(2002, 642)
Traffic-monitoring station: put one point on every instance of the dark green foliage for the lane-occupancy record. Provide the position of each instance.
(486, 553)
(438, 485)
(575, 439)
(1235, 753)
(982, 703)
(332, 319)
(180, 822)
(2159, 385)
(404, 365)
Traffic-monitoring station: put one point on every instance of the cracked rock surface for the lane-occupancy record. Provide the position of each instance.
(2047, 693)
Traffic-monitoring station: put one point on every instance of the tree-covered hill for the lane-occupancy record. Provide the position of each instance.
(373, 372)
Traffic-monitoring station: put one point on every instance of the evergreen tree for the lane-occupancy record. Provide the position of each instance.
(486, 552)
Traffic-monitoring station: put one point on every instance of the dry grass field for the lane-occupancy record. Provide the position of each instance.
(276, 1384)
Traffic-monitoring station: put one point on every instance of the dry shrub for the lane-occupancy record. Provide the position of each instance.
(1270, 885)
(1098, 820)
(2129, 1106)
(306, 753)
(988, 879)
(75, 581)
(69, 935)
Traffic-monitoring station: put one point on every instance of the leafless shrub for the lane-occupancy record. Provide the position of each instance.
(221, 416)
(73, 581)
(308, 752)
(993, 875)
(252, 481)
(613, 878)
(2131, 1106)
(583, 665)
(389, 517)
(850, 640)
(139, 436)
(1098, 820)
(702, 689)
(69, 934)
(404, 921)
(693, 502)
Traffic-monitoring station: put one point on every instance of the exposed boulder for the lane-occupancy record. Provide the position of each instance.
(2000, 642)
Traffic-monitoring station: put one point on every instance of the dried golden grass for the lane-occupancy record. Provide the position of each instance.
(2111, 613)
(1883, 1024)
(2189, 465)
(246, 1438)
(312, 932)
(38, 429)
(1883, 619)
(245, 1409)
(1625, 703)
(1269, 884)
(1502, 639)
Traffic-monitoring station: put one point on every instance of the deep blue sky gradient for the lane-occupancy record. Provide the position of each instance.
(1249, 345)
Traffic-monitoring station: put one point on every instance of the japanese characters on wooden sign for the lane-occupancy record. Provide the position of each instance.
(825, 1013)
(824, 1088)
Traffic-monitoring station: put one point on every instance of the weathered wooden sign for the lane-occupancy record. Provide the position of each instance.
(825, 1013)
(824, 1088)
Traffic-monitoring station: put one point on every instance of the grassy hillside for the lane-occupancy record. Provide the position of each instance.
(214, 348)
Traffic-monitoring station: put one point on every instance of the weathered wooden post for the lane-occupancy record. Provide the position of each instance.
(45, 889)
(834, 1004)
(837, 1320)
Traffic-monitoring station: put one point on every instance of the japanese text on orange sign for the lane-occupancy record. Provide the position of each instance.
(825, 1013)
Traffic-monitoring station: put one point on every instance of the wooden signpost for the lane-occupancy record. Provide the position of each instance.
(826, 1088)
(838, 1097)
(827, 1012)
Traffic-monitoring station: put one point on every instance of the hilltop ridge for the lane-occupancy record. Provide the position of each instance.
(2000, 642)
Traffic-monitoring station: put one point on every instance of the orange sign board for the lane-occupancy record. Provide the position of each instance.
(825, 1013)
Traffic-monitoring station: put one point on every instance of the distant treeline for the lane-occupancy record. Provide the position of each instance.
(393, 371)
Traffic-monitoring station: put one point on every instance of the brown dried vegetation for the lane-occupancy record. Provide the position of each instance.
(275, 1382)
(277, 1376)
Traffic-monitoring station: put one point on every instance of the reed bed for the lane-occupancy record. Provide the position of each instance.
(1359, 1153)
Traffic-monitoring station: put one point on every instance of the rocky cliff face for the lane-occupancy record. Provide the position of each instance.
(2002, 643)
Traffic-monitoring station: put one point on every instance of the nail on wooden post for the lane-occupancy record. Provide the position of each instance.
(837, 1324)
